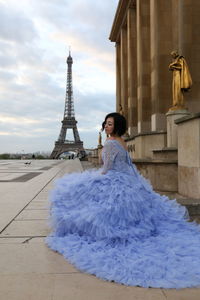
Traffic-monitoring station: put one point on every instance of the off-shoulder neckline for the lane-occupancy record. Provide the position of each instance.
(117, 143)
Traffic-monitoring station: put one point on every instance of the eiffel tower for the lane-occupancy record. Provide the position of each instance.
(69, 122)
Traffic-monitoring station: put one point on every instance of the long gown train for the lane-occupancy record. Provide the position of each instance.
(113, 225)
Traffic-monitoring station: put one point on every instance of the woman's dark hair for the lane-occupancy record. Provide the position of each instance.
(119, 123)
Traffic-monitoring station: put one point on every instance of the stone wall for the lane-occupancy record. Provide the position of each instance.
(142, 145)
(189, 156)
(157, 172)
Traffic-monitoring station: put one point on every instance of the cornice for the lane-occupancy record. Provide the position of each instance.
(120, 18)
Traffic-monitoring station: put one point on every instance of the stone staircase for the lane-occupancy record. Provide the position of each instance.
(166, 153)
(193, 205)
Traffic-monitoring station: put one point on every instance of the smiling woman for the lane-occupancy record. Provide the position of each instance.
(110, 223)
(114, 125)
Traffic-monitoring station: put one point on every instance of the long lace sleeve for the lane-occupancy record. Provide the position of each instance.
(108, 154)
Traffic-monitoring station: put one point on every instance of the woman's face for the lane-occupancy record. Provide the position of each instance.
(109, 126)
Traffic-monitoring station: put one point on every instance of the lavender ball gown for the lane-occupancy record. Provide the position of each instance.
(115, 226)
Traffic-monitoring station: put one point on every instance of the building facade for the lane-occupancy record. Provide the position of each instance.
(145, 32)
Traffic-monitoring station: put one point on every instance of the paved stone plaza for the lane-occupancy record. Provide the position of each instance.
(28, 269)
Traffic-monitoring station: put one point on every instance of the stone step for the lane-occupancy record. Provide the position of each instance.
(165, 153)
(157, 172)
(193, 205)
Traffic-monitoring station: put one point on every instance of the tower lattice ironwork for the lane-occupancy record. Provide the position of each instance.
(69, 122)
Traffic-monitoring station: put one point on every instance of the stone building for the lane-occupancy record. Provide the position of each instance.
(164, 144)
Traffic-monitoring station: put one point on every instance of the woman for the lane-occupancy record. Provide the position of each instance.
(110, 223)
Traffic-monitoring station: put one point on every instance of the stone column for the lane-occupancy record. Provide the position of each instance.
(172, 136)
(132, 72)
(161, 47)
(123, 68)
(143, 65)
(189, 46)
(189, 156)
(118, 77)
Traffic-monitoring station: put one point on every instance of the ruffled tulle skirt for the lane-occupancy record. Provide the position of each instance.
(116, 227)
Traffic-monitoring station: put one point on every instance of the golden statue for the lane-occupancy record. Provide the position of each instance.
(100, 148)
(182, 80)
(100, 140)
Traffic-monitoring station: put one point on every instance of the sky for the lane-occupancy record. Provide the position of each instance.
(35, 36)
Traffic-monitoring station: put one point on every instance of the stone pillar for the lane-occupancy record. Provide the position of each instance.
(118, 77)
(176, 23)
(123, 68)
(161, 47)
(189, 42)
(132, 71)
(189, 156)
(143, 65)
(172, 137)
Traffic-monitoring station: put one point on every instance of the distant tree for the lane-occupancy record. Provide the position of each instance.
(39, 156)
(5, 156)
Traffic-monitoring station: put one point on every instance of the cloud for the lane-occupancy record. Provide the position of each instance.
(17, 120)
(15, 26)
(6, 75)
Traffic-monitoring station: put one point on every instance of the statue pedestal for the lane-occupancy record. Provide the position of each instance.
(172, 115)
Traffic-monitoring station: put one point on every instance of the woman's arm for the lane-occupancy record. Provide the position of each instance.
(109, 154)
(175, 66)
